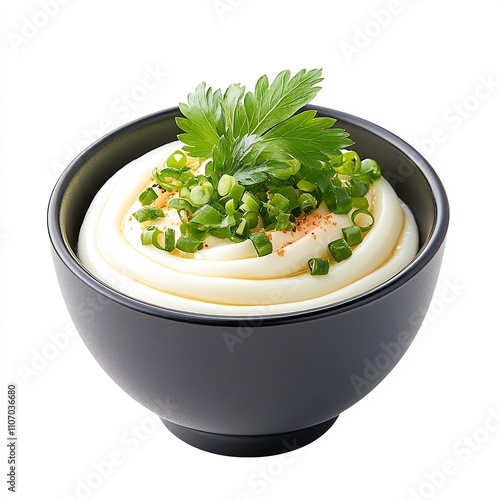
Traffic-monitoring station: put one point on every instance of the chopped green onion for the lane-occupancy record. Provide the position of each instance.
(231, 206)
(242, 228)
(200, 195)
(357, 188)
(148, 196)
(180, 204)
(307, 202)
(236, 192)
(369, 166)
(283, 222)
(168, 173)
(306, 186)
(362, 211)
(280, 202)
(250, 203)
(339, 249)
(339, 201)
(336, 161)
(148, 213)
(207, 217)
(289, 193)
(186, 176)
(352, 234)
(163, 240)
(177, 159)
(318, 266)
(155, 239)
(320, 179)
(252, 218)
(351, 164)
(359, 202)
(188, 229)
(226, 182)
(169, 239)
(261, 243)
(188, 244)
(147, 235)
(221, 232)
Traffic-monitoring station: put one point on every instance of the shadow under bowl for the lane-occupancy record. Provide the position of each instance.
(282, 380)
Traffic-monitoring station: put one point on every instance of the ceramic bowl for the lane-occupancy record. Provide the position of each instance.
(284, 379)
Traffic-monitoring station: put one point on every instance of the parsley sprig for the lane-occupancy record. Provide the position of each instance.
(257, 136)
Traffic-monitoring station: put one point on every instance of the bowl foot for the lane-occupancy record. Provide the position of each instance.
(249, 446)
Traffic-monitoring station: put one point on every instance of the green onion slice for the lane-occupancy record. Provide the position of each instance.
(180, 204)
(357, 188)
(318, 266)
(226, 182)
(188, 244)
(339, 201)
(200, 195)
(307, 202)
(250, 203)
(362, 211)
(236, 192)
(148, 196)
(252, 219)
(207, 217)
(261, 243)
(359, 202)
(231, 206)
(177, 159)
(147, 235)
(148, 213)
(352, 234)
(169, 239)
(306, 186)
(158, 239)
(339, 249)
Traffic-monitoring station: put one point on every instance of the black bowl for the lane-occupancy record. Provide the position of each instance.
(247, 386)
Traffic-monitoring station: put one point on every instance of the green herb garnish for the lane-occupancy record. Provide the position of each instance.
(318, 266)
(340, 249)
(148, 213)
(267, 163)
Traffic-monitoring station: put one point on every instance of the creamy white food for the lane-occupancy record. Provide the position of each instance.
(226, 278)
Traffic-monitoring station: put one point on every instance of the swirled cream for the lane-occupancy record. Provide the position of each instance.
(226, 278)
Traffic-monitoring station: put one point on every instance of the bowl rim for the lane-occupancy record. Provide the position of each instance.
(424, 256)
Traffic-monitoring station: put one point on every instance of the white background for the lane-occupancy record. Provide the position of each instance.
(427, 71)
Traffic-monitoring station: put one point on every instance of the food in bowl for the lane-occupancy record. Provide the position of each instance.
(236, 385)
(259, 209)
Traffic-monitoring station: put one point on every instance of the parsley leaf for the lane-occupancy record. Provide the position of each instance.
(271, 104)
(203, 122)
(309, 139)
(242, 131)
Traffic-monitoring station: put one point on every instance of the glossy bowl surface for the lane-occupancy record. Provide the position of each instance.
(248, 386)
